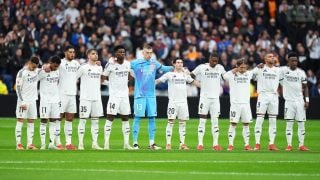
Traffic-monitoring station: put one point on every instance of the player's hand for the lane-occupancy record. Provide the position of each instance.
(186, 70)
(306, 105)
(261, 65)
(46, 68)
(234, 70)
(98, 63)
(112, 60)
(23, 106)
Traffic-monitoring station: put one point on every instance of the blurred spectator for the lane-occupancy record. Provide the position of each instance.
(3, 87)
(313, 44)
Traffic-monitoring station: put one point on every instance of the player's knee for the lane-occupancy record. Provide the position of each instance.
(125, 118)
(110, 117)
(44, 120)
(203, 116)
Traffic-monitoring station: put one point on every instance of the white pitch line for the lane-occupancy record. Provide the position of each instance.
(163, 172)
(156, 161)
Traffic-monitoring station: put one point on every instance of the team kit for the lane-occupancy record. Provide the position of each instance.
(58, 89)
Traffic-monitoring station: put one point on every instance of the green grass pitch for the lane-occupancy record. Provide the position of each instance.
(146, 164)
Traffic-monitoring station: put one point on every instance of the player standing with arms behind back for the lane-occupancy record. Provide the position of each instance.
(90, 98)
(294, 82)
(145, 70)
(210, 76)
(68, 91)
(239, 82)
(27, 81)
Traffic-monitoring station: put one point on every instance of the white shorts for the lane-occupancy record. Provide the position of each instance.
(68, 104)
(178, 110)
(49, 110)
(240, 111)
(294, 110)
(118, 105)
(90, 109)
(268, 103)
(29, 113)
(209, 104)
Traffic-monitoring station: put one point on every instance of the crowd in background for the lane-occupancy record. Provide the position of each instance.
(191, 29)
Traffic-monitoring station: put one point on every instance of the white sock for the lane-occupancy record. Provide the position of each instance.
(246, 134)
(18, 131)
(107, 132)
(30, 133)
(68, 131)
(258, 128)
(58, 127)
(201, 130)
(272, 129)
(215, 130)
(125, 132)
(169, 132)
(231, 134)
(301, 132)
(52, 132)
(95, 130)
(182, 131)
(81, 130)
(43, 132)
(151, 142)
(289, 132)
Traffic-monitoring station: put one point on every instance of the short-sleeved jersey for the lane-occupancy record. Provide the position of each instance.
(144, 73)
(210, 78)
(49, 91)
(90, 82)
(239, 86)
(291, 81)
(118, 78)
(26, 83)
(177, 85)
(267, 79)
(68, 77)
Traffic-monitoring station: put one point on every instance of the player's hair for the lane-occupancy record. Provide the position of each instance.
(55, 59)
(35, 60)
(214, 54)
(292, 54)
(67, 48)
(115, 49)
(147, 46)
(241, 61)
(90, 50)
(176, 59)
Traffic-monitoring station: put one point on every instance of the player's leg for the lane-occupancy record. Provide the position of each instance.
(262, 105)
(183, 115)
(54, 117)
(96, 110)
(214, 113)
(112, 110)
(20, 114)
(125, 111)
(151, 109)
(172, 114)
(70, 111)
(32, 116)
(234, 119)
(272, 113)
(139, 111)
(289, 116)
(84, 113)
(203, 109)
(246, 118)
(63, 109)
(301, 118)
(44, 110)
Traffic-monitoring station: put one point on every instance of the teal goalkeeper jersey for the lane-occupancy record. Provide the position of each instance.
(145, 73)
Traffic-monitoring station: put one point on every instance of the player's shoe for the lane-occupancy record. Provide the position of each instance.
(60, 147)
(43, 147)
(217, 148)
(230, 148)
(52, 147)
(71, 147)
(154, 147)
(80, 146)
(127, 147)
(32, 147)
(257, 147)
(273, 147)
(136, 146)
(247, 148)
(19, 147)
(168, 147)
(289, 148)
(183, 147)
(200, 147)
(303, 148)
(95, 146)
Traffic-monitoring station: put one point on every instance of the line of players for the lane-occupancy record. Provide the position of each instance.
(58, 87)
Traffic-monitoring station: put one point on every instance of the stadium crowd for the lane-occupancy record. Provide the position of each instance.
(191, 29)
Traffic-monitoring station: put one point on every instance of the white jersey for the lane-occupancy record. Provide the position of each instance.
(291, 81)
(267, 79)
(177, 85)
(118, 78)
(239, 86)
(90, 79)
(49, 91)
(26, 83)
(210, 79)
(68, 77)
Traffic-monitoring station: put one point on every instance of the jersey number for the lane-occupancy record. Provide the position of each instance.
(139, 107)
(83, 108)
(43, 110)
(171, 111)
(112, 105)
(233, 114)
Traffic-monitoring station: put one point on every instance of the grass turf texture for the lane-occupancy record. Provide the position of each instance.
(142, 164)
